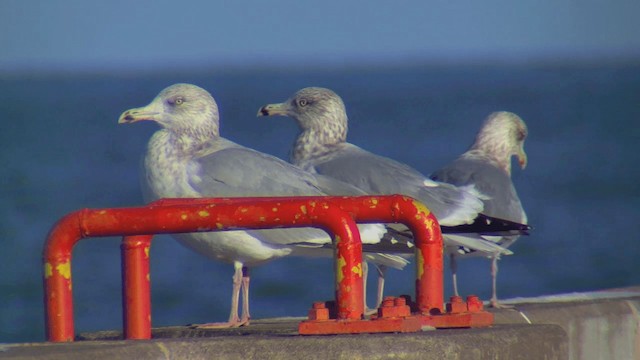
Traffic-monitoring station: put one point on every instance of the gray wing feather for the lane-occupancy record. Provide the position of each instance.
(241, 171)
(502, 200)
(379, 175)
(238, 171)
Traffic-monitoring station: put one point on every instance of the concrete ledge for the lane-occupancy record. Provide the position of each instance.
(597, 325)
(499, 342)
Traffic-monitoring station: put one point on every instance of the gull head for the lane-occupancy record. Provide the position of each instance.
(314, 109)
(502, 135)
(179, 108)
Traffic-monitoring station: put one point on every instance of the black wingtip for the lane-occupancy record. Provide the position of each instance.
(487, 225)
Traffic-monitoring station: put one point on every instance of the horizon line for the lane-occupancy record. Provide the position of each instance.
(304, 63)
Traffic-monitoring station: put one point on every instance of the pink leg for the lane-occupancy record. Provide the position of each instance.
(365, 276)
(245, 317)
(494, 294)
(380, 291)
(453, 265)
(234, 321)
(381, 271)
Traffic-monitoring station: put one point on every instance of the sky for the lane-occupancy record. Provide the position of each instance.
(78, 34)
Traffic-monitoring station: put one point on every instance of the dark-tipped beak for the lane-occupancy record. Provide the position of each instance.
(137, 114)
(273, 110)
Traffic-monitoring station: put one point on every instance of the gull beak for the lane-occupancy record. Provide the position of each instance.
(138, 114)
(522, 158)
(273, 110)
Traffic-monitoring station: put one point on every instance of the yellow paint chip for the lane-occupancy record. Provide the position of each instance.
(303, 209)
(429, 224)
(262, 218)
(357, 269)
(419, 264)
(48, 270)
(183, 216)
(146, 252)
(421, 208)
(244, 210)
(374, 203)
(340, 264)
(275, 209)
(219, 226)
(64, 269)
(203, 213)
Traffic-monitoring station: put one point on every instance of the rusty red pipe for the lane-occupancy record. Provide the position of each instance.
(268, 213)
(136, 286)
(394, 208)
(86, 223)
(386, 209)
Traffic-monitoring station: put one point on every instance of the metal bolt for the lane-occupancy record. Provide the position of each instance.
(319, 305)
(388, 301)
(474, 304)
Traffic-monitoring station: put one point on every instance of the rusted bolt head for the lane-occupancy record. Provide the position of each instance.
(319, 305)
(388, 301)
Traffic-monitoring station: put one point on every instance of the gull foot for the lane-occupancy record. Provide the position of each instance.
(496, 305)
(221, 325)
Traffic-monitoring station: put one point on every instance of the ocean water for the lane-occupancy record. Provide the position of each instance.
(63, 150)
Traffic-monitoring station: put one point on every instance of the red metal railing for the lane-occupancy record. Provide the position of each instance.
(136, 286)
(189, 218)
(380, 209)
(333, 214)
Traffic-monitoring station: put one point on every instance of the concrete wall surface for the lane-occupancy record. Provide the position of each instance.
(598, 325)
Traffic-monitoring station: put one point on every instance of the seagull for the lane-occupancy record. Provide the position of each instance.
(187, 158)
(322, 148)
(487, 166)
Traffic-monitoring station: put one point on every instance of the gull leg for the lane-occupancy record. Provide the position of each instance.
(380, 291)
(365, 276)
(245, 317)
(234, 321)
(381, 272)
(453, 265)
(494, 294)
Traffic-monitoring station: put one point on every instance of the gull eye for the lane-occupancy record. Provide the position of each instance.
(302, 102)
(179, 101)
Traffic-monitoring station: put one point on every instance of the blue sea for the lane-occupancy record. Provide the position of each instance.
(63, 150)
